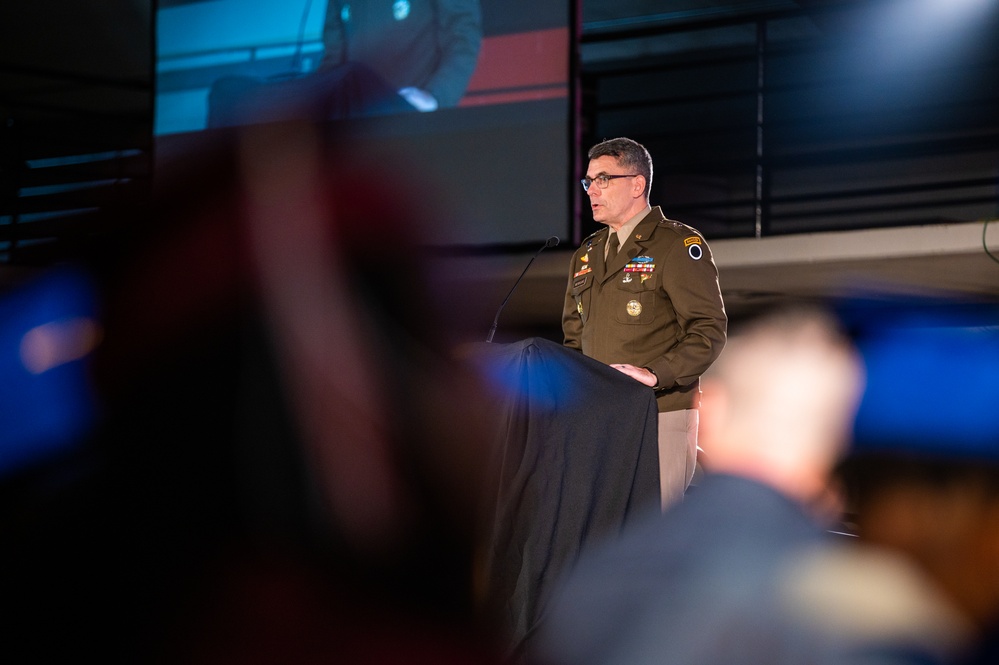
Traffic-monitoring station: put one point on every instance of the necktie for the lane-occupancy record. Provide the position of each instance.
(612, 245)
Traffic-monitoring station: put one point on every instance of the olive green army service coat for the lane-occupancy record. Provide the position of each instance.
(657, 304)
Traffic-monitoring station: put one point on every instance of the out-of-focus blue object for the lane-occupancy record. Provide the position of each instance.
(48, 329)
(932, 389)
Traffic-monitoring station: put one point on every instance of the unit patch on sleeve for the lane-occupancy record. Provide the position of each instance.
(693, 245)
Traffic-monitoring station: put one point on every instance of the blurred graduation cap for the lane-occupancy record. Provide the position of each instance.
(932, 383)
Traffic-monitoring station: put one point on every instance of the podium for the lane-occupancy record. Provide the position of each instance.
(575, 458)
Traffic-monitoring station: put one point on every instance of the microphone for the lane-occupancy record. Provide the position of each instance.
(551, 242)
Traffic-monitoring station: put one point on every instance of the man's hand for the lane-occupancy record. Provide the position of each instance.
(421, 100)
(639, 374)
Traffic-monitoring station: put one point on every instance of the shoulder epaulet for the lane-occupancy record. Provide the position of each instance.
(679, 228)
(588, 240)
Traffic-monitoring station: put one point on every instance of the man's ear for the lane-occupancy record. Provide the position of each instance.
(638, 186)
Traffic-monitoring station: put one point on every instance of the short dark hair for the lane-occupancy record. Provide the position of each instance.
(631, 154)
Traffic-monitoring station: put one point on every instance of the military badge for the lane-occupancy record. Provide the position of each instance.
(583, 271)
(634, 308)
(635, 265)
(693, 245)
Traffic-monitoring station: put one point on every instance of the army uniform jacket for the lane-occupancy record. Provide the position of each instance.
(657, 304)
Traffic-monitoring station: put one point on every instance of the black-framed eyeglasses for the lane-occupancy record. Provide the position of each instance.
(602, 180)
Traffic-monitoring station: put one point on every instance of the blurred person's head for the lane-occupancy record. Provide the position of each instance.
(922, 478)
(779, 401)
(280, 462)
(299, 236)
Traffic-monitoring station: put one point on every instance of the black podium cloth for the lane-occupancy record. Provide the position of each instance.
(576, 458)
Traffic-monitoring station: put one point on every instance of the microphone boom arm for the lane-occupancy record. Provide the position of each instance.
(551, 242)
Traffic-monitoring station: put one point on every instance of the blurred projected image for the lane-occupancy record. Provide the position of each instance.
(228, 62)
(378, 58)
(431, 84)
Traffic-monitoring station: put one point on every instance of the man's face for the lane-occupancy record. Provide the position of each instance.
(621, 200)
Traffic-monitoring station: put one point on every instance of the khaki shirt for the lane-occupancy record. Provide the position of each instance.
(657, 304)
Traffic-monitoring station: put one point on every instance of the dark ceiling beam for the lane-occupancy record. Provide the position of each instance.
(709, 17)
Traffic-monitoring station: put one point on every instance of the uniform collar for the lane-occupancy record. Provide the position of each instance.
(641, 227)
(628, 227)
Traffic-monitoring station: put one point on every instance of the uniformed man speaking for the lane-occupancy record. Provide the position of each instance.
(643, 297)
